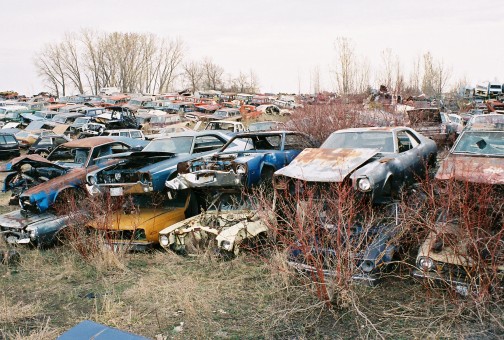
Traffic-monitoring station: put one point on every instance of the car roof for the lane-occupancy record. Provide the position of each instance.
(376, 128)
(89, 142)
(192, 133)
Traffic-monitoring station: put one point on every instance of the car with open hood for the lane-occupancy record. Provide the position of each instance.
(465, 247)
(78, 156)
(262, 154)
(147, 171)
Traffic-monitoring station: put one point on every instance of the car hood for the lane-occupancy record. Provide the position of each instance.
(326, 165)
(16, 220)
(476, 169)
(33, 160)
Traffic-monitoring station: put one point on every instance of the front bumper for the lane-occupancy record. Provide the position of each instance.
(120, 189)
(206, 179)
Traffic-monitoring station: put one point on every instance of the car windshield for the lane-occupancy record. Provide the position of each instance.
(222, 114)
(384, 141)
(59, 119)
(69, 156)
(135, 102)
(261, 142)
(481, 143)
(175, 144)
(81, 121)
(262, 126)
(39, 114)
(11, 114)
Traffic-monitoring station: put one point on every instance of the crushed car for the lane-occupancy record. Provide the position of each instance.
(262, 155)
(224, 229)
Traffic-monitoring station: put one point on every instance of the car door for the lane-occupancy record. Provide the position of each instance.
(409, 158)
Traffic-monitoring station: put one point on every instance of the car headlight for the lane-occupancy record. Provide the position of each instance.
(163, 240)
(364, 184)
(33, 234)
(117, 176)
(425, 263)
(226, 245)
(241, 169)
(367, 266)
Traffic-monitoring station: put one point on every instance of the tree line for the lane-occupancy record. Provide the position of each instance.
(134, 62)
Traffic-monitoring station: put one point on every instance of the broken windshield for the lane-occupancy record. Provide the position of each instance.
(481, 143)
(384, 141)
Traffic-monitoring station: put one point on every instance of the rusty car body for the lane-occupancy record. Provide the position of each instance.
(377, 162)
(224, 231)
(369, 166)
(431, 123)
(81, 159)
(475, 168)
(263, 154)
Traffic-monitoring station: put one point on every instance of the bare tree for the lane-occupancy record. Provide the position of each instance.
(170, 56)
(345, 66)
(315, 76)
(387, 71)
(193, 74)
(213, 74)
(49, 65)
(70, 57)
(362, 76)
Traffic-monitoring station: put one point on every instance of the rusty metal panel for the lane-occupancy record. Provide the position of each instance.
(489, 170)
(326, 165)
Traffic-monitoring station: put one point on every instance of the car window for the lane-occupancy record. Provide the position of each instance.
(297, 142)
(10, 139)
(207, 143)
(405, 141)
(124, 134)
(136, 134)
(60, 140)
(2, 140)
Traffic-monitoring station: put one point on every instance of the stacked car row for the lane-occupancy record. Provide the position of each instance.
(156, 188)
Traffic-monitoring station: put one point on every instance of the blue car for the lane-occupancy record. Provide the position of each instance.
(146, 171)
(262, 155)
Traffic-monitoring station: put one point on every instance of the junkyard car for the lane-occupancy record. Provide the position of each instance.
(147, 171)
(373, 164)
(45, 144)
(465, 241)
(431, 123)
(378, 162)
(224, 228)
(81, 159)
(140, 218)
(40, 230)
(265, 153)
(9, 146)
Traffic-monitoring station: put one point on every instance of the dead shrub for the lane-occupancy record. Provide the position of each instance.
(463, 224)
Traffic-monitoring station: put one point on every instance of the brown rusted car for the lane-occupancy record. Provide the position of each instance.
(431, 123)
(464, 249)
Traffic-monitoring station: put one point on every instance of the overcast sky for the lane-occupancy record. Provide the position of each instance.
(281, 40)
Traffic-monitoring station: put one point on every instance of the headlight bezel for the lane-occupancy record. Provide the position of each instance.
(364, 184)
(425, 263)
(164, 241)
